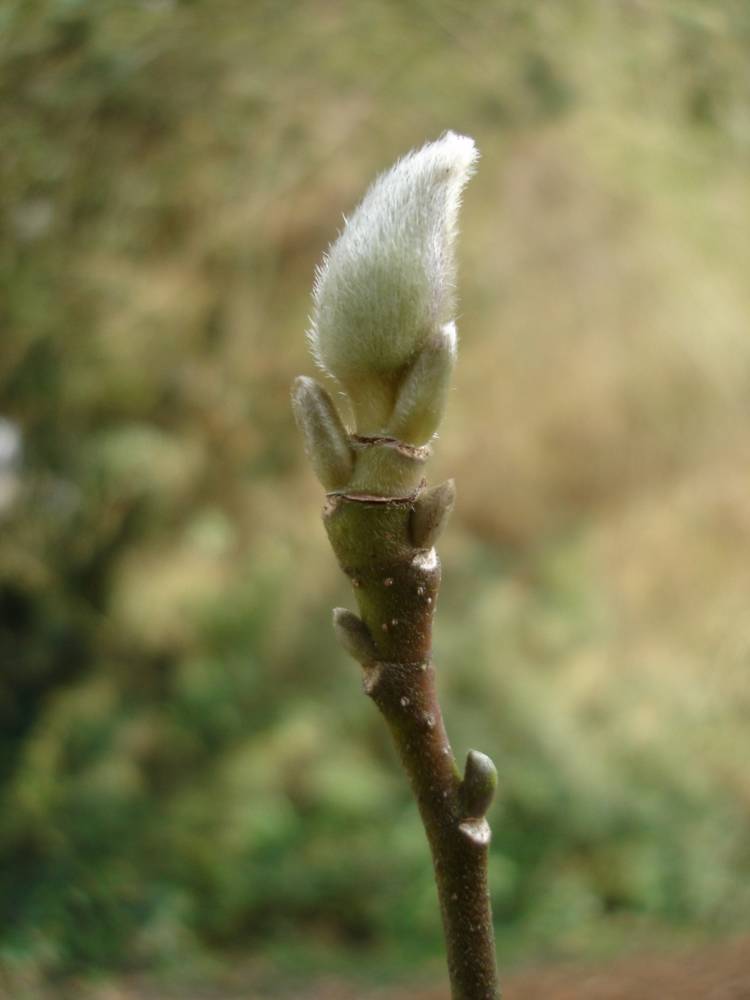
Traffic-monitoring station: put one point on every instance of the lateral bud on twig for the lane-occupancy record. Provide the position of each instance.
(479, 784)
(430, 514)
(354, 636)
(326, 441)
(423, 394)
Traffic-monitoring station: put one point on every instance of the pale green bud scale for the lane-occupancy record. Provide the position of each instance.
(422, 396)
(326, 441)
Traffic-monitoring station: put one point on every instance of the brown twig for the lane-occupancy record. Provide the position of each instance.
(386, 550)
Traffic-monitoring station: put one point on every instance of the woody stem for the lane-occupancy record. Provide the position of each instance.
(396, 584)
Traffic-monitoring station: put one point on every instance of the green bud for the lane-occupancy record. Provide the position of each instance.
(423, 394)
(326, 440)
(430, 514)
(479, 784)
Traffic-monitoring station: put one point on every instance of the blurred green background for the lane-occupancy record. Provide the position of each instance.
(188, 769)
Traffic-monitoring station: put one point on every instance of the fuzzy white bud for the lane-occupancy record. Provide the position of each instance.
(386, 286)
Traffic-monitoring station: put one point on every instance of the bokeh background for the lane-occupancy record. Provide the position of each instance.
(190, 779)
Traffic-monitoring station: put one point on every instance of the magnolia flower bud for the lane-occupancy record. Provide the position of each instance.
(384, 291)
(326, 440)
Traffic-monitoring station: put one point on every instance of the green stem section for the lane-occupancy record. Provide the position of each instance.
(396, 585)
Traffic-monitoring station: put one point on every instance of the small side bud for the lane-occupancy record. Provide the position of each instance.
(326, 441)
(479, 784)
(430, 514)
(354, 636)
(423, 394)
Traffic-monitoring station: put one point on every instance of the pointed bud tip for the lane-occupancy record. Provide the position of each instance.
(344, 618)
(461, 149)
(302, 386)
(447, 492)
(300, 390)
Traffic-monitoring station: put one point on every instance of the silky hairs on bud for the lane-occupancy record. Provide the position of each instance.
(386, 286)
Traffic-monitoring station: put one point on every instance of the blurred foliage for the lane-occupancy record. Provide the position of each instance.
(187, 762)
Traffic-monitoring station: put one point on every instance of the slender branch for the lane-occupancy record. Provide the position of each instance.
(380, 545)
(382, 326)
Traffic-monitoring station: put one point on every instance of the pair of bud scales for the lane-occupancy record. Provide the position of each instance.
(383, 326)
